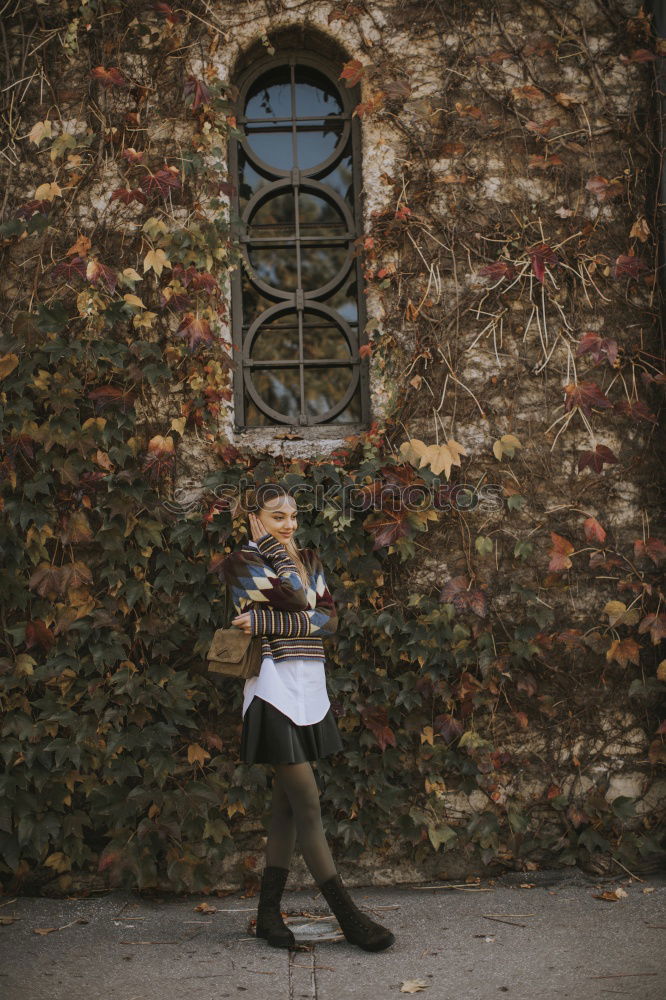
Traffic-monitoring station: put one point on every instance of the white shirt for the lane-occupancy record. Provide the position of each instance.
(295, 686)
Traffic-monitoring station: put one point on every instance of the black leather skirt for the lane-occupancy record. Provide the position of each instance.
(270, 737)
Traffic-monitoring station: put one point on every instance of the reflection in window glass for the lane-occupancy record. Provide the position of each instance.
(320, 264)
(322, 341)
(278, 269)
(324, 387)
(340, 179)
(316, 213)
(250, 179)
(275, 217)
(316, 95)
(275, 343)
(279, 388)
(275, 148)
(270, 95)
(345, 302)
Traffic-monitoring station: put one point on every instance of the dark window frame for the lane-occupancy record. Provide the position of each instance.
(308, 426)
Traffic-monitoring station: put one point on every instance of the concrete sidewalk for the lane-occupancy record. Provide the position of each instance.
(553, 940)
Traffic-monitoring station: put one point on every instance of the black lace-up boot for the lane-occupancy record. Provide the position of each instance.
(356, 926)
(270, 924)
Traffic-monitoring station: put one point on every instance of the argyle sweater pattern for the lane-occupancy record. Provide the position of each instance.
(291, 620)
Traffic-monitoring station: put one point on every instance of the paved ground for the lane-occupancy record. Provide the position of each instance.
(552, 941)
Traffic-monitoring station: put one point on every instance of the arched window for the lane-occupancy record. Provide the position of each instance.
(297, 304)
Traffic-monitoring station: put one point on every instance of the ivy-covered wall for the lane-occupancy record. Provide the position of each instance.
(497, 675)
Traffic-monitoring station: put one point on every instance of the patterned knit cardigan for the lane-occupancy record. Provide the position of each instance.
(293, 620)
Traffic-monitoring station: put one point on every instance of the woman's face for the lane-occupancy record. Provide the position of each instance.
(280, 517)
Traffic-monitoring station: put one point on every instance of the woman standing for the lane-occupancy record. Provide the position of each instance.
(287, 717)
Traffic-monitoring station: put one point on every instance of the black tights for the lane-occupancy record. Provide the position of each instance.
(296, 810)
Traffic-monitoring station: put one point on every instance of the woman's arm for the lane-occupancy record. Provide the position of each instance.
(250, 580)
(321, 621)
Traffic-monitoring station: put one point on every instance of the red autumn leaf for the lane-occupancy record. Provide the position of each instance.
(111, 77)
(636, 409)
(542, 128)
(599, 347)
(595, 459)
(387, 527)
(624, 651)
(654, 624)
(166, 11)
(368, 107)
(37, 633)
(178, 302)
(521, 719)
(603, 189)
(585, 395)
(402, 212)
(651, 548)
(195, 93)
(538, 162)
(99, 274)
(500, 269)
(528, 92)
(455, 592)
(127, 196)
(365, 351)
(162, 181)
(77, 265)
(632, 267)
(131, 155)
(639, 56)
(559, 554)
(109, 395)
(498, 56)
(541, 255)
(194, 330)
(376, 720)
(449, 727)
(29, 208)
(352, 72)
(594, 531)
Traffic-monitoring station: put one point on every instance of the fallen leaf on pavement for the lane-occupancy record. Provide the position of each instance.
(413, 986)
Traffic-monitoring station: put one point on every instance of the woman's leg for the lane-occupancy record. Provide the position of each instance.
(282, 829)
(300, 788)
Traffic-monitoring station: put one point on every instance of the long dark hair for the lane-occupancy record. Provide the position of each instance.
(255, 500)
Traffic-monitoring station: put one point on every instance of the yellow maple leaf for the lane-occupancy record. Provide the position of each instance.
(196, 754)
(155, 260)
(47, 192)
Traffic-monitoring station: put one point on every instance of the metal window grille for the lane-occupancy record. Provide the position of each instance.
(298, 313)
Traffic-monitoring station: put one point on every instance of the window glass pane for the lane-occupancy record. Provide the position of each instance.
(276, 217)
(274, 146)
(340, 179)
(352, 411)
(318, 217)
(316, 95)
(276, 342)
(324, 341)
(320, 264)
(315, 145)
(254, 302)
(345, 303)
(324, 387)
(275, 267)
(280, 389)
(250, 179)
(270, 95)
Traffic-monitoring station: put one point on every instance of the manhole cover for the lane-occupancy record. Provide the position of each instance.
(314, 930)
